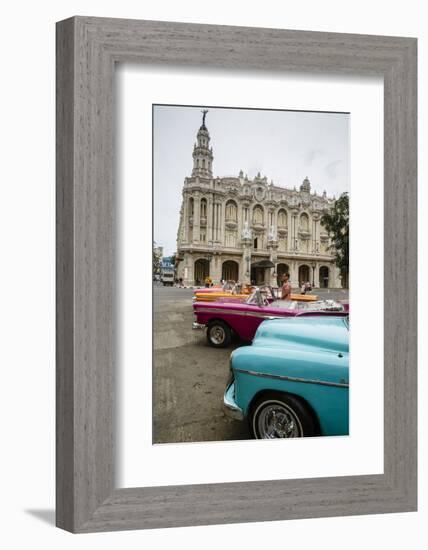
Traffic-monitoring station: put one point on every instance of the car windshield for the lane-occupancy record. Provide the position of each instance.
(285, 304)
(236, 289)
(228, 285)
(257, 298)
(319, 305)
(267, 291)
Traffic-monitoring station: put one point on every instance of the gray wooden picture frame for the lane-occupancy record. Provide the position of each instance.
(87, 50)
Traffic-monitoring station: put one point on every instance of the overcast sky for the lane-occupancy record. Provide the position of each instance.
(285, 146)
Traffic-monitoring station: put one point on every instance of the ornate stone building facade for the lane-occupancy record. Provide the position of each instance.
(250, 230)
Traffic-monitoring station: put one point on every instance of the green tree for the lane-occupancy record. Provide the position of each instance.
(336, 223)
(156, 263)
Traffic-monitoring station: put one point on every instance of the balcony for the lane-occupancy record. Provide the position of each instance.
(231, 223)
(258, 226)
(304, 233)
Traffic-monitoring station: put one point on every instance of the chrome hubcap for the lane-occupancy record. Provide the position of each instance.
(278, 421)
(217, 335)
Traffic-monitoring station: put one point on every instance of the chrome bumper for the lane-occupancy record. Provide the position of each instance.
(230, 407)
(197, 326)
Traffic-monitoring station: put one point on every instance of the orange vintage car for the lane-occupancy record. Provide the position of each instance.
(237, 292)
(230, 289)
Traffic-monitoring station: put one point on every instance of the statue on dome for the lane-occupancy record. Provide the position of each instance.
(204, 114)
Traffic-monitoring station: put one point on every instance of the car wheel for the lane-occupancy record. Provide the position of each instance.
(281, 415)
(219, 334)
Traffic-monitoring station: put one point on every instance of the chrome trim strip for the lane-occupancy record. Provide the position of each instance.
(293, 379)
(242, 313)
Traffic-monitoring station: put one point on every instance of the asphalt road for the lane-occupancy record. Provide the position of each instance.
(189, 375)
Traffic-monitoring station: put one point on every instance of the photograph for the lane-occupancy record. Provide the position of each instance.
(195, 199)
(250, 274)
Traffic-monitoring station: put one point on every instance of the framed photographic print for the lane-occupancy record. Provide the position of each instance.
(236, 274)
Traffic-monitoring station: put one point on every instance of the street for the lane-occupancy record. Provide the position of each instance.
(189, 375)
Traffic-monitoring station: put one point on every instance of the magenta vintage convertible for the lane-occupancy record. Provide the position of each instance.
(224, 318)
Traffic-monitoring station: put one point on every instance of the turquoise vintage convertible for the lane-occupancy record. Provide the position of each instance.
(293, 381)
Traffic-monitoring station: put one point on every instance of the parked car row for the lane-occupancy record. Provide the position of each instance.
(293, 381)
(225, 318)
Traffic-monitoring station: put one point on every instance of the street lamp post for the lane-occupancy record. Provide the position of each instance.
(247, 260)
(313, 274)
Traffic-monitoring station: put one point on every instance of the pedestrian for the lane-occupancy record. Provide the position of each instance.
(286, 287)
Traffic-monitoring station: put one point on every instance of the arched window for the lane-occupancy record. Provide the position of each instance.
(203, 164)
(203, 208)
(258, 215)
(201, 270)
(304, 274)
(231, 211)
(324, 276)
(282, 219)
(191, 206)
(256, 242)
(230, 271)
(304, 222)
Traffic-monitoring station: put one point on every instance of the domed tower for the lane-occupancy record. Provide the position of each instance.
(306, 185)
(202, 153)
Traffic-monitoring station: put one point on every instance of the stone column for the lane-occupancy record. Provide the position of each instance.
(215, 268)
(316, 235)
(221, 223)
(240, 214)
(216, 235)
(185, 221)
(246, 260)
(188, 269)
(317, 275)
(294, 274)
(313, 235)
(273, 256)
(294, 235)
(210, 220)
(197, 218)
(275, 218)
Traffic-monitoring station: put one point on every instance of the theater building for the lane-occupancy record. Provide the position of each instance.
(250, 230)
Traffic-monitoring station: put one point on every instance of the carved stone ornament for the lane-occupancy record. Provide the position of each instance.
(272, 236)
(246, 231)
(259, 193)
